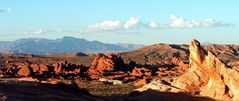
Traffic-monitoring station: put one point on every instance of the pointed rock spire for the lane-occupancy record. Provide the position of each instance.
(208, 76)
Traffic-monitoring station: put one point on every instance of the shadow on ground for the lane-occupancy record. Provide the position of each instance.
(28, 91)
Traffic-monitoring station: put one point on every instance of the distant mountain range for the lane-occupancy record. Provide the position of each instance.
(42, 46)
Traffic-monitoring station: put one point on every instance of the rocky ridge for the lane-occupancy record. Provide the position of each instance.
(206, 76)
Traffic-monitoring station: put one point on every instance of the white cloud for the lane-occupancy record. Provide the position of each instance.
(35, 31)
(132, 22)
(114, 25)
(135, 22)
(209, 22)
(106, 25)
(153, 25)
(38, 31)
(156, 25)
(180, 22)
(6, 10)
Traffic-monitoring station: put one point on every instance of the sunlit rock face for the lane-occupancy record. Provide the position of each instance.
(208, 76)
(105, 63)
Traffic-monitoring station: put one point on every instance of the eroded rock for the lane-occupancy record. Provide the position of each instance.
(139, 72)
(141, 82)
(107, 62)
(24, 71)
(208, 76)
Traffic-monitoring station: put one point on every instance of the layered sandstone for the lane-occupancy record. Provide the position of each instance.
(208, 76)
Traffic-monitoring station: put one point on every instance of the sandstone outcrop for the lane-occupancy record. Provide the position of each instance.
(139, 72)
(57, 68)
(208, 76)
(141, 82)
(24, 71)
(43, 68)
(105, 63)
(35, 67)
(174, 68)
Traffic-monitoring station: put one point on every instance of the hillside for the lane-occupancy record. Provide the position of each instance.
(157, 53)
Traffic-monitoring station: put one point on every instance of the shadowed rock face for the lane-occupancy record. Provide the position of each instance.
(208, 76)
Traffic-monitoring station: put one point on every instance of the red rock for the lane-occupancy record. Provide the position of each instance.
(24, 71)
(141, 72)
(95, 76)
(175, 61)
(75, 71)
(109, 62)
(57, 68)
(35, 67)
(141, 82)
(176, 68)
(43, 68)
(131, 78)
(105, 63)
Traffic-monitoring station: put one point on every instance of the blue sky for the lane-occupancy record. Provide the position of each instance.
(122, 21)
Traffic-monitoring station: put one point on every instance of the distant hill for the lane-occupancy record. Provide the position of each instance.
(157, 53)
(42, 46)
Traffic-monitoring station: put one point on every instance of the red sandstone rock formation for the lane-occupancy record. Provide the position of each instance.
(208, 76)
(24, 70)
(35, 67)
(139, 72)
(43, 68)
(57, 68)
(105, 63)
(141, 82)
(180, 66)
(175, 68)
